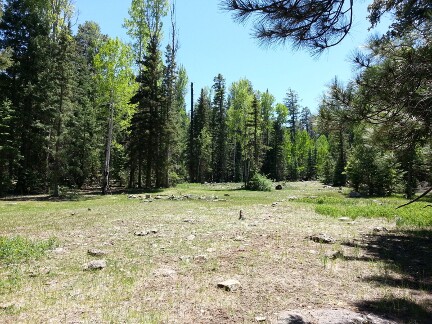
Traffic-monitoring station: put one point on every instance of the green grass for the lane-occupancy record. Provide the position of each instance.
(416, 215)
(18, 249)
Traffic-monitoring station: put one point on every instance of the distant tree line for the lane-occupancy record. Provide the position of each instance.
(85, 110)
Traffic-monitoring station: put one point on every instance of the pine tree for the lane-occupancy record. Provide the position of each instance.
(202, 138)
(291, 102)
(25, 30)
(219, 131)
(85, 132)
(144, 150)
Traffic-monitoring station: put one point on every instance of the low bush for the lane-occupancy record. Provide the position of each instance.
(258, 182)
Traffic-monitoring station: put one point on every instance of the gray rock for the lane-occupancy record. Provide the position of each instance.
(200, 258)
(241, 215)
(345, 219)
(191, 237)
(329, 316)
(146, 232)
(354, 194)
(322, 238)
(380, 229)
(279, 187)
(6, 306)
(185, 258)
(165, 272)
(229, 285)
(260, 319)
(59, 250)
(291, 318)
(96, 252)
(95, 265)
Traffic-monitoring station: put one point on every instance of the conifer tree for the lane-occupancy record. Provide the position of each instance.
(219, 131)
(85, 139)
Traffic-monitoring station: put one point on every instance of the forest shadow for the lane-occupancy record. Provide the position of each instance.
(79, 194)
(407, 262)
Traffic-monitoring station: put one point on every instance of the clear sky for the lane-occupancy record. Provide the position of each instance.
(211, 43)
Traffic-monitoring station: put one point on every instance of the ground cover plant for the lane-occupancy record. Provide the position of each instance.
(165, 253)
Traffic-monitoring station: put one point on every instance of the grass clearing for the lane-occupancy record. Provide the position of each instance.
(201, 240)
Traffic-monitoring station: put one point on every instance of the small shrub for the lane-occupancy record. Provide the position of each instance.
(18, 249)
(259, 182)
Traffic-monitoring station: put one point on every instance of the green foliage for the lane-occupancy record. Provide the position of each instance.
(18, 249)
(259, 182)
(372, 172)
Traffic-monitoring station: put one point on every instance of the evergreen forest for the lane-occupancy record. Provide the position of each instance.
(79, 109)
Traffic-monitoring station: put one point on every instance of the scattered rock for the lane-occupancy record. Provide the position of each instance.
(380, 229)
(345, 219)
(6, 306)
(147, 196)
(229, 285)
(95, 265)
(329, 316)
(322, 238)
(336, 255)
(291, 317)
(191, 237)
(279, 187)
(191, 221)
(211, 250)
(200, 258)
(185, 258)
(260, 319)
(241, 216)
(239, 239)
(59, 250)
(354, 194)
(146, 232)
(274, 204)
(96, 252)
(165, 272)
(226, 195)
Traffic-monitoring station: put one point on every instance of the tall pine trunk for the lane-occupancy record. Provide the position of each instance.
(106, 173)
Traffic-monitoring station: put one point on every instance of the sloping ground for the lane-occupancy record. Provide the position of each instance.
(166, 256)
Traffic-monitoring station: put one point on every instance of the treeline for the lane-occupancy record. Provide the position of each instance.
(84, 109)
(237, 132)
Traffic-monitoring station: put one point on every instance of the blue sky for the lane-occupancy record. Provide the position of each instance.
(211, 43)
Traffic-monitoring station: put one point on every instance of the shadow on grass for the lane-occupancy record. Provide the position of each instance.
(407, 255)
(401, 309)
(79, 195)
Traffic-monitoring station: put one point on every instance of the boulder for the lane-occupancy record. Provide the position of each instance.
(329, 316)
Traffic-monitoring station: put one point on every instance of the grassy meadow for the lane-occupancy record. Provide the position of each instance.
(166, 252)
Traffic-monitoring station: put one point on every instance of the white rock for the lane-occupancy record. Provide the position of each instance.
(95, 265)
(229, 285)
